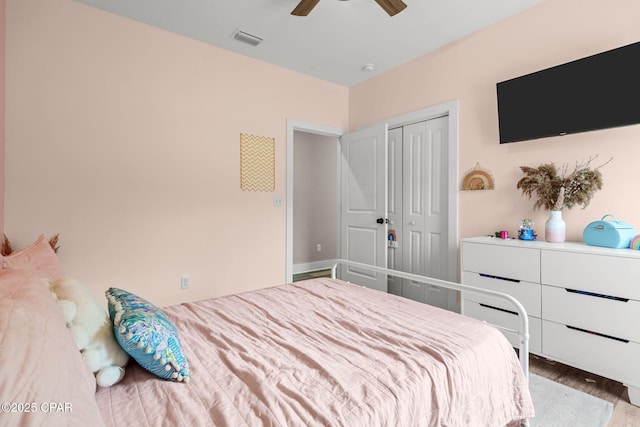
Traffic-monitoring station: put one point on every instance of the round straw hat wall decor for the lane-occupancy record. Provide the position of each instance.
(478, 178)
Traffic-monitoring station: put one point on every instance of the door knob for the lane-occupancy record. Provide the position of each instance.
(382, 221)
(412, 223)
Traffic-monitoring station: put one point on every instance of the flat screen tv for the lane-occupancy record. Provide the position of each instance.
(597, 92)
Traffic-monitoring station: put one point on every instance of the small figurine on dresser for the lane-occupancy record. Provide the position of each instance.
(527, 232)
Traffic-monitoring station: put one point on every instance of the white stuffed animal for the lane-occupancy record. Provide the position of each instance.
(91, 330)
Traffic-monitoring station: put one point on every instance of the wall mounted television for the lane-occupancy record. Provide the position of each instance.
(597, 92)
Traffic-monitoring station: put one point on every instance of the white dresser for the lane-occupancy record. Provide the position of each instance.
(583, 302)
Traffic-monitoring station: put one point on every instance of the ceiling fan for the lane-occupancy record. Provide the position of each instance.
(390, 6)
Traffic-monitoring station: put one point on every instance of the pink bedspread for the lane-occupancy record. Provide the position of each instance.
(327, 353)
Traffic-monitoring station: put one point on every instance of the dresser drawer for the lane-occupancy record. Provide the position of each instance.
(603, 356)
(527, 293)
(603, 274)
(508, 261)
(617, 318)
(506, 320)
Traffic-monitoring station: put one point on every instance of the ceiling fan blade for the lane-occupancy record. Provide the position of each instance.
(392, 6)
(304, 7)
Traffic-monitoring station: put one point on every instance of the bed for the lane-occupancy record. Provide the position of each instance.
(316, 353)
(326, 352)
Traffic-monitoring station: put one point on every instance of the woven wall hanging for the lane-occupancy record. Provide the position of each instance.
(478, 178)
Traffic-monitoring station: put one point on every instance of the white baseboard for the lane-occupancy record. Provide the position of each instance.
(313, 266)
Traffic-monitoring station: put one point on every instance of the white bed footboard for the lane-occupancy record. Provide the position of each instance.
(523, 333)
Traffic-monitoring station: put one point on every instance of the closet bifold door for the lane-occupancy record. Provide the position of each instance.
(424, 210)
(418, 208)
(414, 196)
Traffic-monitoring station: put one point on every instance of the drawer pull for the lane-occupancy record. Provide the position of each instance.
(498, 308)
(499, 278)
(598, 334)
(591, 294)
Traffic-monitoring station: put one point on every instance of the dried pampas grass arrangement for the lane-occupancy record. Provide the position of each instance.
(559, 189)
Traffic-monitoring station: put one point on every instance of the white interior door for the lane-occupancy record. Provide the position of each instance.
(418, 208)
(414, 183)
(364, 204)
(424, 244)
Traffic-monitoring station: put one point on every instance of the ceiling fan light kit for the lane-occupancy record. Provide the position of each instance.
(392, 7)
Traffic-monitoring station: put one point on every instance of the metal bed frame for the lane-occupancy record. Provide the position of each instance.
(523, 332)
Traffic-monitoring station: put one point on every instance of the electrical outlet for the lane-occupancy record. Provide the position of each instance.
(277, 201)
(185, 282)
(318, 247)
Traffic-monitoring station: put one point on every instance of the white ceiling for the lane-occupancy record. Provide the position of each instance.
(334, 42)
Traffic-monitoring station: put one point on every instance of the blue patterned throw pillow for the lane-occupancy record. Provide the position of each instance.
(147, 335)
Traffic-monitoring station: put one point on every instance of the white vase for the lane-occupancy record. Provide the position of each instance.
(555, 228)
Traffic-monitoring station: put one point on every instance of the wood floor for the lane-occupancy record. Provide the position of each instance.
(311, 275)
(624, 413)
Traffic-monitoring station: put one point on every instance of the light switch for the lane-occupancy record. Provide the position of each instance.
(185, 282)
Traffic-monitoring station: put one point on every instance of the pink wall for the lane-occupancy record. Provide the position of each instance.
(125, 139)
(549, 34)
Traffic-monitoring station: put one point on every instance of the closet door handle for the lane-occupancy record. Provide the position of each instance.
(382, 221)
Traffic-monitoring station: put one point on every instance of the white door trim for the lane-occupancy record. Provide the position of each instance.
(297, 125)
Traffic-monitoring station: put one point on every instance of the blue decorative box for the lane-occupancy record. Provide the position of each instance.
(609, 233)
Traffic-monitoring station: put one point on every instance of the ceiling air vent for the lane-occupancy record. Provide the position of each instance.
(247, 38)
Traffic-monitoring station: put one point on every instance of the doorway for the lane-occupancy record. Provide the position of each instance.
(316, 207)
(326, 134)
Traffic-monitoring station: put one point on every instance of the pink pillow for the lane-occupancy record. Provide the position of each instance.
(38, 258)
(40, 364)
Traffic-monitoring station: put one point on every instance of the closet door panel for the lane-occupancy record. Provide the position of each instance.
(413, 208)
(394, 205)
(413, 179)
(419, 214)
